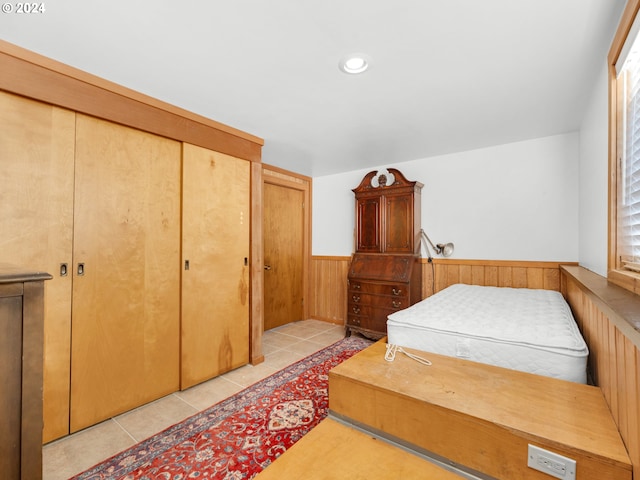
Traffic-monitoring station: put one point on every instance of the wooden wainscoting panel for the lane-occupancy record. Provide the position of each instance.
(505, 276)
(607, 372)
(606, 315)
(519, 277)
(428, 275)
(329, 288)
(633, 399)
(497, 273)
(535, 278)
(491, 275)
(329, 279)
(552, 279)
(465, 274)
(628, 375)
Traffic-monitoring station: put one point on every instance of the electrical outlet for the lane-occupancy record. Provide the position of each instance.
(551, 463)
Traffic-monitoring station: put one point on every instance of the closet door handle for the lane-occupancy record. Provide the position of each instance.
(64, 269)
(80, 269)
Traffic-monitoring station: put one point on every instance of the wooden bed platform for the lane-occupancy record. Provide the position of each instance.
(334, 451)
(479, 416)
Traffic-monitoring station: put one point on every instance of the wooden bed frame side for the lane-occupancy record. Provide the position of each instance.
(609, 318)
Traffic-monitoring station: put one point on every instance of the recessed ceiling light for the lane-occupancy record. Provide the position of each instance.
(355, 63)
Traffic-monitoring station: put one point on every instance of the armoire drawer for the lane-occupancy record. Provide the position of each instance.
(384, 301)
(378, 311)
(370, 323)
(379, 288)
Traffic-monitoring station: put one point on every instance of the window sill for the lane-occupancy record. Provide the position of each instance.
(627, 279)
(619, 303)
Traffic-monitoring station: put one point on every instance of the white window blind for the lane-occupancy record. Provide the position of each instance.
(628, 69)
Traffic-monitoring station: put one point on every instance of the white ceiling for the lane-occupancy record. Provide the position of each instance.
(446, 75)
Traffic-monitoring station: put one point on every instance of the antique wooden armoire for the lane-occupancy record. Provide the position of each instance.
(385, 274)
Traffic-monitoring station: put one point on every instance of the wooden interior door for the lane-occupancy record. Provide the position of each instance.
(36, 221)
(215, 281)
(126, 286)
(283, 255)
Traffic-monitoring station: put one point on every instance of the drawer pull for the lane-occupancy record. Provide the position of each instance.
(356, 309)
(396, 292)
(356, 286)
(396, 304)
(356, 298)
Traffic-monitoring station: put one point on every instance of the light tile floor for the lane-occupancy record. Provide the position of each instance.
(282, 346)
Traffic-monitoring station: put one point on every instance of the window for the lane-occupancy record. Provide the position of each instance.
(624, 58)
(628, 162)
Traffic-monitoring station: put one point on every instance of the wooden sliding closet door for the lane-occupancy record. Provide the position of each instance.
(125, 335)
(215, 276)
(36, 228)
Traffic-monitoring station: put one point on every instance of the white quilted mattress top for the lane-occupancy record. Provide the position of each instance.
(538, 319)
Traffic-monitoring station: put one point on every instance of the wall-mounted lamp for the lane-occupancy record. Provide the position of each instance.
(444, 249)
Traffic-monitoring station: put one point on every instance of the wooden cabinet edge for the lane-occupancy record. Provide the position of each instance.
(34, 76)
(29, 285)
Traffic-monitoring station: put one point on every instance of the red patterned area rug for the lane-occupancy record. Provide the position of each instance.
(238, 437)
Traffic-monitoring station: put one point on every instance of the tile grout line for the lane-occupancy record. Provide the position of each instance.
(114, 419)
(197, 409)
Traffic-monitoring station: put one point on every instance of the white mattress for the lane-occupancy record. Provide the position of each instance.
(517, 328)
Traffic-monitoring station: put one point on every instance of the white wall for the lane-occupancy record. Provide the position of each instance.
(594, 167)
(510, 202)
(594, 164)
